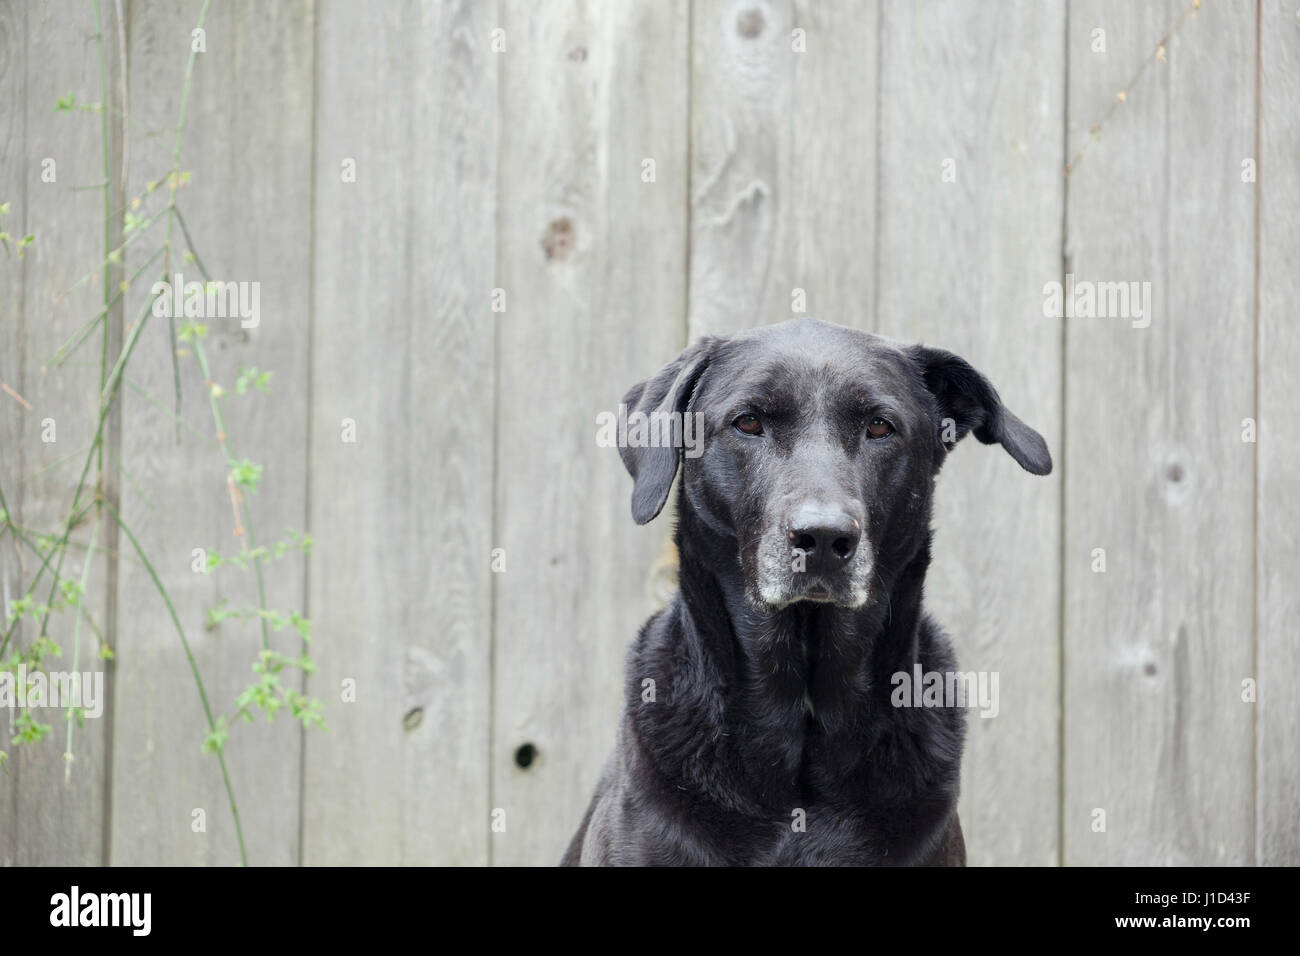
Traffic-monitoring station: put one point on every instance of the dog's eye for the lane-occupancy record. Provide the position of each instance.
(749, 424)
(880, 428)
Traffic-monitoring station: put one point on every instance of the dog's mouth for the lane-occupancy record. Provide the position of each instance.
(842, 592)
(818, 592)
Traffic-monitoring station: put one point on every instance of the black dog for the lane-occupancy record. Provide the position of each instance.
(759, 727)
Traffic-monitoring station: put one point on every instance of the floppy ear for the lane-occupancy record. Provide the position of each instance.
(967, 397)
(653, 469)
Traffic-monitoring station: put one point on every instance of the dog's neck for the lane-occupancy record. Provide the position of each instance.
(807, 659)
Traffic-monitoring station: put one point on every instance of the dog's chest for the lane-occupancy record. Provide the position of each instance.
(822, 839)
(825, 837)
(838, 814)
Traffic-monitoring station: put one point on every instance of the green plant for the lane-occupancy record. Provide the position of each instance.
(267, 693)
(6, 238)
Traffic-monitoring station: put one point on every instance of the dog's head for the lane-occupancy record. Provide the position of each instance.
(815, 447)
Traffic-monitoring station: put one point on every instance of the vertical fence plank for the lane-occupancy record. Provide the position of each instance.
(741, 69)
(1278, 556)
(58, 820)
(402, 361)
(783, 117)
(1157, 736)
(13, 190)
(593, 264)
(971, 197)
(783, 178)
(247, 145)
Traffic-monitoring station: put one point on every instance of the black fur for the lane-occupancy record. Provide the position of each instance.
(771, 688)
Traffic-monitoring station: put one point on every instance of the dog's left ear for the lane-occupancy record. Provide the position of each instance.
(972, 404)
(653, 468)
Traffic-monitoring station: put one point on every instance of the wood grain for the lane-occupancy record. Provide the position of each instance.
(971, 197)
(1277, 838)
(57, 821)
(593, 260)
(782, 163)
(247, 146)
(13, 189)
(402, 346)
(1156, 648)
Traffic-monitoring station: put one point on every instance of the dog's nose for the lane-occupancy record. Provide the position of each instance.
(827, 536)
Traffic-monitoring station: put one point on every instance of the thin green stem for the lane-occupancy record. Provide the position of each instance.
(23, 535)
(116, 462)
(173, 186)
(180, 220)
(115, 377)
(76, 645)
(106, 403)
(131, 481)
(148, 397)
(26, 536)
(60, 546)
(74, 341)
(194, 669)
(54, 464)
(117, 252)
(244, 509)
(108, 238)
(223, 437)
(257, 570)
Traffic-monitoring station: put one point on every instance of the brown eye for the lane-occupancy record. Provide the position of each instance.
(880, 428)
(749, 424)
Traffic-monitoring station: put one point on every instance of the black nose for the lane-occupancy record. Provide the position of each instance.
(827, 536)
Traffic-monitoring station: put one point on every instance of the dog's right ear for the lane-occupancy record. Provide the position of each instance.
(972, 404)
(653, 468)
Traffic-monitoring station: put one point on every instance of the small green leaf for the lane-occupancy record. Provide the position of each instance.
(246, 474)
(29, 729)
(216, 739)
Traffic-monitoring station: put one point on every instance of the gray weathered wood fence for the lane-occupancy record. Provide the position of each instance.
(475, 224)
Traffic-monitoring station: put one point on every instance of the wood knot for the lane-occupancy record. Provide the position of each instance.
(558, 241)
(525, 755)
(750, 23)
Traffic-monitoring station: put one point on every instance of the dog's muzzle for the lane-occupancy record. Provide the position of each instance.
(816, 554)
